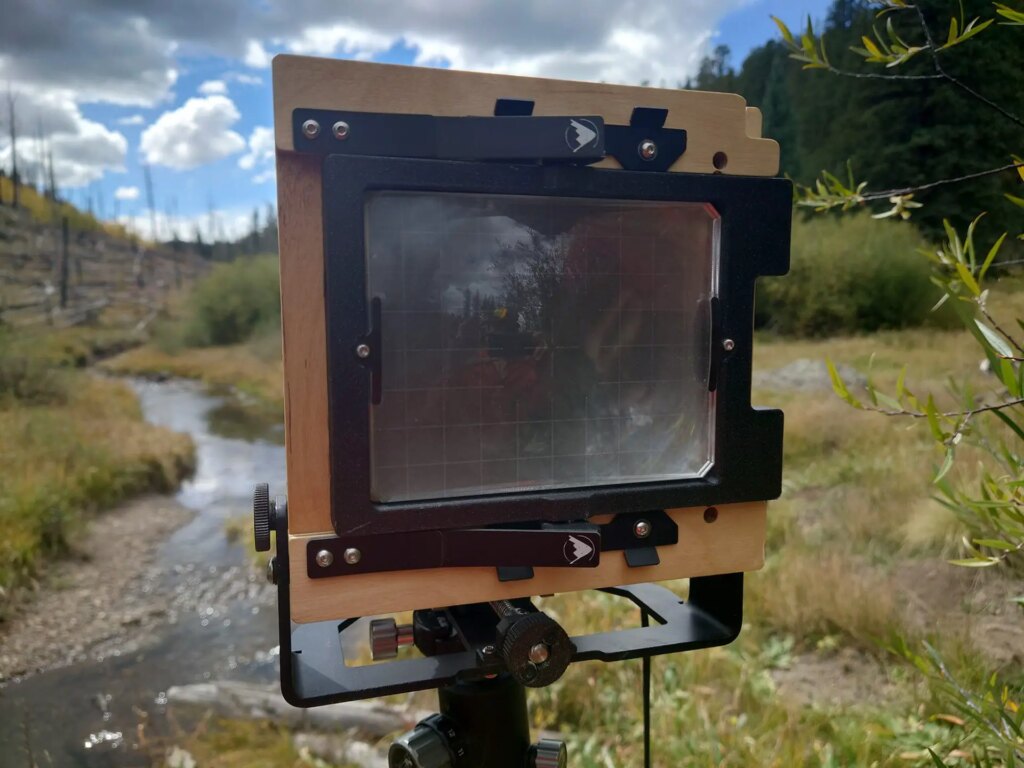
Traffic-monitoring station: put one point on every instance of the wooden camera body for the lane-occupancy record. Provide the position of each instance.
(456, 302)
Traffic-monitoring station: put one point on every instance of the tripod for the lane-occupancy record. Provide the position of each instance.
(480, 723)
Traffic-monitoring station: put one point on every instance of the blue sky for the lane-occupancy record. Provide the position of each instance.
(188, 88)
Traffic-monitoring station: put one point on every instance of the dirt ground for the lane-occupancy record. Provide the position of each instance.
(105, 591)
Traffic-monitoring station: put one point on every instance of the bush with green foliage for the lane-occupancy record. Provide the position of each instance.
(234, 302)
(988, 420)
(849, 275)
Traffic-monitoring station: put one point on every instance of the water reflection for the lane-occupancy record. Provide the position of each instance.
(222, 622)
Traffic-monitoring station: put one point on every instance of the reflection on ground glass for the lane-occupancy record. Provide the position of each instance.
(535, 343)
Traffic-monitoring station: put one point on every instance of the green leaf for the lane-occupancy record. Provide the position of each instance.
(997, 342)
(1015, 200)
(968, 278)
(933, 420)
(839, 386)
(935, 759)
(947, 464)
(1010, 423)
(784, 30)
(974, 563)
(1002, 546)
(992, 254)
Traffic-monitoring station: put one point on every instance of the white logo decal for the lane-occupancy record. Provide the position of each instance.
(581, 548)
(579, 134)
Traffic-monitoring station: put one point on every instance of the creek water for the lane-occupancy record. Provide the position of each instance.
(222, 623)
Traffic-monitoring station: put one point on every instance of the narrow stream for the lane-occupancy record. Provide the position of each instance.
(223, 619)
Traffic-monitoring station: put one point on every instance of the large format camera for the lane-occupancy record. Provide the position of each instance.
(517, 331)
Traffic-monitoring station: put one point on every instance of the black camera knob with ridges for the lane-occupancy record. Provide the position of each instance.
(261, 517)
(536, 650)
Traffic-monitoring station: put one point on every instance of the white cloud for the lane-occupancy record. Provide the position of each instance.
(261, 148)
(256, 55)
(244, 79)
(82, 150)
(213, 87)
(197, 133)
(219, 224)
(131, 120)
(260, 155)
(355, 42)
(126, 193)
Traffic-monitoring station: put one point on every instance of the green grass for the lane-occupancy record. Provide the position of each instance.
(226, 333)
(71, 445)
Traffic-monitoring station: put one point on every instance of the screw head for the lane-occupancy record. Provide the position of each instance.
(710, 514)
(340, 130)
(648, 149)
(324, 558)
(642, 529)
(352, 555)
(311, 129)
(728, 345)
(363, 351)
(539, 653)
(488, 650)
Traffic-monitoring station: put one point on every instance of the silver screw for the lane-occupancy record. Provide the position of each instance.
(311, 129)
(488, 650)
(341, 130)
(728, 345)
(324, 558)
(363, 351)
(352, 555)
(648, 149)
(642, 529)
(539, 653)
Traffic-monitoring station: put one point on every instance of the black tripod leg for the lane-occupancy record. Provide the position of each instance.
(491, 722)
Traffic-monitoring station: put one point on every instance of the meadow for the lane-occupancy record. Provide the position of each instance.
(856, 555)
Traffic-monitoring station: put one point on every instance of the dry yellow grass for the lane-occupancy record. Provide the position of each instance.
(67, 459)
(253, 369)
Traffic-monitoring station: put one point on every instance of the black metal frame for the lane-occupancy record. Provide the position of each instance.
(314, 673)
(755, 236)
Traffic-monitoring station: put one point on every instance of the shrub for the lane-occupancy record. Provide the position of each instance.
(848, 275)
(235, 301)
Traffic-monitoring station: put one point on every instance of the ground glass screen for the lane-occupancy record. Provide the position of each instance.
(534, 343)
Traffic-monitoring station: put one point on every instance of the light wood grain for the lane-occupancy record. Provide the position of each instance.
(714, 122)
(733, 543)
(300, 232)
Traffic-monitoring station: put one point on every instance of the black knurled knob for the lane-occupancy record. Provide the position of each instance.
(536, 649)
(261, 517)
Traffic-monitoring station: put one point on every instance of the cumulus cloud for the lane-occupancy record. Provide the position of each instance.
(212, 87)
(126, 193)
(218, 224)
(260, 156)
(196, 133)
(131, 120)
(243, 78)
(256, 55)
(82, 150)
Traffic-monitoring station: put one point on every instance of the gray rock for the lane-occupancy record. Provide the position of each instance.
(807, 375)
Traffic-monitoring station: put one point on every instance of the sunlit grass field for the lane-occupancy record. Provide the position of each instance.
(856, 557)
(72, 444)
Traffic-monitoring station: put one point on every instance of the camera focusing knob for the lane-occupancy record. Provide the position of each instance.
(536, 650)
(386, 637)
(549, 753)
(261, 517)
(422, 747)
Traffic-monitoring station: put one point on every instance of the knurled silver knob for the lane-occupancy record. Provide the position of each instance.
(386, 637)
(419, 748)
(550, 753)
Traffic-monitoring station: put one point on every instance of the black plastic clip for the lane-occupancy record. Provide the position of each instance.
(645, 144)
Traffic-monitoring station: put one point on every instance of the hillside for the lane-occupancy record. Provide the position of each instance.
(105, 272)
